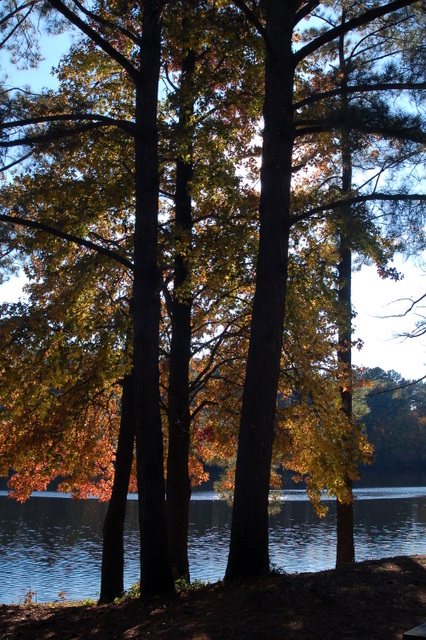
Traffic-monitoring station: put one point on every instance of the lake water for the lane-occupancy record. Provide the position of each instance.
(52, 544)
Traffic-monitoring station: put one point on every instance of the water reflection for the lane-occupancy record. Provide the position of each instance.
(51, 544)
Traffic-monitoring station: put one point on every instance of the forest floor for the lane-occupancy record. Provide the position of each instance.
(374, 600)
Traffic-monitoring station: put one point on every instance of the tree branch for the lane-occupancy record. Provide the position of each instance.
(95, 37)
(51, 136)
(361, 88)
(317, 126)
(41, 226)
(253, 19)
(359, 21)
(14, 12)
(125, 125)
(15, 28)
(358, 200)
(413, 303)
(106, 23)
(306, 10)
(15, 162)
(402, 386)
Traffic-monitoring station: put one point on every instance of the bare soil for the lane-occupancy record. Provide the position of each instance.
(373, 600)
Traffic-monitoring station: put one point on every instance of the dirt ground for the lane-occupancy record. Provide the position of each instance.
(374, 600)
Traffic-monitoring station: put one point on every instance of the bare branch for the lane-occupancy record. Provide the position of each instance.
(397, 388)
(15, 28)
(11, 14)
(413, 303)
(50, 137)
(97, 122)
(309, 127)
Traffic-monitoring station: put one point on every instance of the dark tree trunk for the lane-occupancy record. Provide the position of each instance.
(345, 549)
(179, 416)
(345, 552)
(344, 514)
(156, 575)
(248, 554)
(113, 547)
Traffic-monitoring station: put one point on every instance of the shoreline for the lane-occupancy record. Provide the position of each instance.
(377, 599)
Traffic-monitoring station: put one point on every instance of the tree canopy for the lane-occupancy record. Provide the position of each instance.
(162, 242)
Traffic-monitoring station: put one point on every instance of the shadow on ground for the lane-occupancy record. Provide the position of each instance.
(369, 600)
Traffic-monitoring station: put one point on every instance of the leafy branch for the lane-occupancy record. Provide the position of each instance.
(95, 37)
(344, 202)
(346, 27)
(360, 88)
(41, 226)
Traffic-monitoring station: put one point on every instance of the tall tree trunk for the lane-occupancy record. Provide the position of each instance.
(156, 574)
(344, 515)
(113, 546)
(248, 553)
(179, 416)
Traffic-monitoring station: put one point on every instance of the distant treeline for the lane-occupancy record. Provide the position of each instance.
(393, 411)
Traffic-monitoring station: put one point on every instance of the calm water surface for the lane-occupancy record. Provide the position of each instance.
(52, 544)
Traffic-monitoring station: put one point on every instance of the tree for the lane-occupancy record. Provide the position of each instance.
(116, 34)
(287, 117)
(112, 583)
(206, 87)
(156, 575)
(276, 22)
(59, 405)
(79, 65)
(354, 58)
(394, 418)
(87, 191)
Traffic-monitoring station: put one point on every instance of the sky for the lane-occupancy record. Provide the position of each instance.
(374, 300)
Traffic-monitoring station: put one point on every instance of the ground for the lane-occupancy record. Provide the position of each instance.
(374, 600)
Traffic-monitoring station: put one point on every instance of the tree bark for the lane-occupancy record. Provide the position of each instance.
(112, 583)
(156, 575)
(344, 510)
(179, 415)
(248, 553)
(345, 551)
(345, 548)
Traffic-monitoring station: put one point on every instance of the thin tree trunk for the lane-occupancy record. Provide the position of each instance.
(179, 416)
(156, 574)
(344, 514)
(113, 546)
(248, 553)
